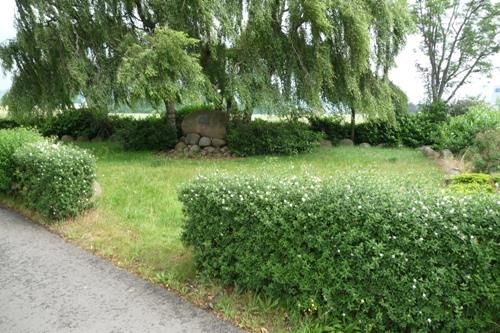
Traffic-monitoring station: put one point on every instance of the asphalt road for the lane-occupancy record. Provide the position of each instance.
(48, 285)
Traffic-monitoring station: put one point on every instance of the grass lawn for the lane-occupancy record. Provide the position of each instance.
(138, 220)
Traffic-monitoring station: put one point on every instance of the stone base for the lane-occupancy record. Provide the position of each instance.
(193, 144)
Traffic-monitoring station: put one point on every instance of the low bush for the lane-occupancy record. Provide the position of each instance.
(54, 180)
(370, 253)
(147, 134)
(411, 130)
(468, 183)
(81, 122)
(8, 123)
(270, 138)
(333, 127)
(485, 152)
(10, 140)
(459, 132)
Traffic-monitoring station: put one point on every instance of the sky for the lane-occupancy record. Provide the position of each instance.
(405, 73)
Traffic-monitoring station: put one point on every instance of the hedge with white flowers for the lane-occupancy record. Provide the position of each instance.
(358, 251)
(53, 179)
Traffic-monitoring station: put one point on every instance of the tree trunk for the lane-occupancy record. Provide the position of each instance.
(170, 109)
(353, 124)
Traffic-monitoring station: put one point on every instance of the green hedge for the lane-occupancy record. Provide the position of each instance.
(459, 132)
(89, 123)
(147, 134)
(54, 180)
(10, 140)
(357, 250)
(261, 137)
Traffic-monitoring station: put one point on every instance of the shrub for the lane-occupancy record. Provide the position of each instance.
(377, 131)
(354, 249)
(416, 130)
(10, 140)
(459, 132)
(54, 180)
(275, 138)
(8, 123)
(333, 127)
(147, 134)
(485, 152)
(468, 183)
(81, 122)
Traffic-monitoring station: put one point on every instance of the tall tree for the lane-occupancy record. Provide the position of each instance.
(161, 69)
(458, 38)
(293, 54)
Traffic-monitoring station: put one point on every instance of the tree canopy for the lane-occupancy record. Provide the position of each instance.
(458, 36)
(255, 53)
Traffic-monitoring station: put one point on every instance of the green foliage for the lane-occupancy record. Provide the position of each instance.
(417, 129)
(468, 183)
(411, 130)
(459, 132)
(463, 106)
(8, 123)
(284, 52)
(270, 138)
(486, 151)
(333, 127)
(147, 134)
(80, 122)
(162, 68)
(356, 248)
(10, 140)
(54, 180)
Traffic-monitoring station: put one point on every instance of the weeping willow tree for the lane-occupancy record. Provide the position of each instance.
(286, 55)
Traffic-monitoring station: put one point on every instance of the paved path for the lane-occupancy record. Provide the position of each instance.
(47, 285)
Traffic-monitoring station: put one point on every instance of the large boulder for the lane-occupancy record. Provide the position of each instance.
(446, 154)
(364, 145)
(192, 138)
(346, 142)
(180, 146)
(218, 143)
(429, 152)
(205, 142)
(211, 124)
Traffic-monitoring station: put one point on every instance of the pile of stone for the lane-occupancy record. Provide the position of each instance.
(204, 134)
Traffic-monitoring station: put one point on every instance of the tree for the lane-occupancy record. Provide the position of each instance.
(161, 68)
(459, 36)
(279, 54)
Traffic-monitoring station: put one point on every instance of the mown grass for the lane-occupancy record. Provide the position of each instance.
(138, 220)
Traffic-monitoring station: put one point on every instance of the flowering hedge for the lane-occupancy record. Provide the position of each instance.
(10, 140)
(355, 249)
(53, 179)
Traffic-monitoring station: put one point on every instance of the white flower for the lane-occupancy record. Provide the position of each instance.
(429, 320)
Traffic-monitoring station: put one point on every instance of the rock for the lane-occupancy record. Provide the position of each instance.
(180, 146)
(182, 139)
(209, 150)
(96, 187)
(194, 149)
(205, 142)
(218, 142)
(325, 143)
(429, 152)
(192, 138)
(381, 145)
(186, 150)
(446, 154)
(67, 138)
(82, 138)
(207, 123)
(346, 142)
(453, 171)
(364, 145)
(224, 149)
(227, 154)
